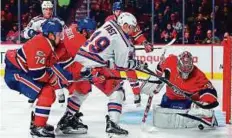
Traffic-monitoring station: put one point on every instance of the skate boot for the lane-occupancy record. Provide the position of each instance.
(114, 129)
(47, 127)
(44, 132)
(78, 125)
(61, 98)
(70, 124)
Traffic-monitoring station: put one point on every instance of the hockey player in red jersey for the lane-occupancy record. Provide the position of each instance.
(181, 72)
(67, 70)
(27, 72)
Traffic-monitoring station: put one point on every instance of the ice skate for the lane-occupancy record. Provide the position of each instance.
(113, 129)
(70, 124)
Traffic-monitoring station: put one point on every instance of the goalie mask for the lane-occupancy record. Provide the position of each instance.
(185, 64)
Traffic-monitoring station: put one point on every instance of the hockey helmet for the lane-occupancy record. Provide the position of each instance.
(117, 6)
(88, 24)
(51, 26)
(46, 4)
(185, 64)
(127, 18)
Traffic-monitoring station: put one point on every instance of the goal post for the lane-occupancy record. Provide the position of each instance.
(227, 77)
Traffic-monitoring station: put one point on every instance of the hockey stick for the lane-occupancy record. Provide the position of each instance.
(118, 78)
(162, 47)
(200, 120)
(158, 88)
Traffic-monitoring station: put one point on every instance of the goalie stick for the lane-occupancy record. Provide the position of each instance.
(205, 122)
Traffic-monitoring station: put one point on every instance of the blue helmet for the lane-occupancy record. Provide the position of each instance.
(51, 26)
(117, 6)
(87, 24)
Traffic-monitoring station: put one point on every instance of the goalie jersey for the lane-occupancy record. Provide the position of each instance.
(107, 44)
(197, 84)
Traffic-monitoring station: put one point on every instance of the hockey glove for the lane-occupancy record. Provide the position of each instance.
(148, 46)
(32, 33)
(92, 75)
(137, 64)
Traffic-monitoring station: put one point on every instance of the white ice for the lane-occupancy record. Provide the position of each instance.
(15, 118)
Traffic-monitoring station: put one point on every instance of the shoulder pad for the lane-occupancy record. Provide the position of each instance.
(37, 18)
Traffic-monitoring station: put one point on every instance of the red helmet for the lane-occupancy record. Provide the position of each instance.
(185, 64)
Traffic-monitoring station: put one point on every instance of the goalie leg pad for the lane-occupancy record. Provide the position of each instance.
(169, 118)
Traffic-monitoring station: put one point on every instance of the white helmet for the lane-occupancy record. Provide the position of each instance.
(127, 18)
(46, 4)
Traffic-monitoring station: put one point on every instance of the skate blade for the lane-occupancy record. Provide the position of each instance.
(70, 131)
(111, 135)
(34, 136)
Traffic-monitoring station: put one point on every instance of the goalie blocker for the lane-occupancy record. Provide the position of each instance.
(175, 110)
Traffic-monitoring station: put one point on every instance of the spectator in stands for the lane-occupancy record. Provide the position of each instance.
(159, 20)
(13, 8)
(200, 19)
(97, 14)
(165, 38)
(7, 14)
(176, 24)
(163, 4)
(187, 38)
(3, 26)
(168, 30)
(157, 9)
(13, 33)
(106, 6)
(24, 7)
(210, 39)
(157, 33)
(167, 13)
(206, 7)
(168, 34)
(177, 6)
(198, 34)
(81, 12)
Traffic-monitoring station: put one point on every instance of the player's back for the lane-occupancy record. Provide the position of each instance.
(73, 40)
(106, 43)
(35, 52)
(196, 81)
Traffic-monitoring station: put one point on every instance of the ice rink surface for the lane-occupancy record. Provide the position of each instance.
(15, 118)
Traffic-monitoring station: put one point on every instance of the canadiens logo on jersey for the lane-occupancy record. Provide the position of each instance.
(40, 53)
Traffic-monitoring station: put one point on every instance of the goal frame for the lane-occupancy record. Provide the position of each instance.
(227, 77)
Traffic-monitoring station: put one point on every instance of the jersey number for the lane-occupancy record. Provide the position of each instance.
(99, 45)
(40, 60)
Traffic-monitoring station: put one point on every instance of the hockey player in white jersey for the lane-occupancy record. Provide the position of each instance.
(108, 47)
(35, 26)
